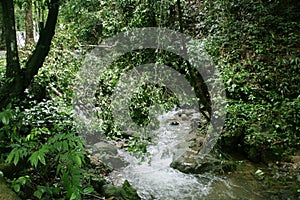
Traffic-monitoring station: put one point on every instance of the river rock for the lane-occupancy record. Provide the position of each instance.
(192, 163)
(124, 192)
(5, 192)
(106, 153)
(190, 160)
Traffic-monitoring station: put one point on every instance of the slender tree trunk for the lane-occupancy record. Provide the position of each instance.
(2, 42)
(18, 80)
(42, 49)
(196, 78)
(12, 57)
(29, 24)
(13, 71)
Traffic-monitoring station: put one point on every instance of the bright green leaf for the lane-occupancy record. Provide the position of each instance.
(16, 158)
(17, 187)
(88, 190)
(77, 160)
(38, 194)
(34, 159)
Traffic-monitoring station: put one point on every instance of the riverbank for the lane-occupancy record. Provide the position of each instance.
(254, 181)
(154, 177)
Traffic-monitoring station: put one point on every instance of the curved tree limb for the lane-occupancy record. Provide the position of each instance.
(196, 79)
(42, 49)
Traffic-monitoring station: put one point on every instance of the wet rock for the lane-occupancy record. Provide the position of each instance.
(104, 147)
(195, 164)
(129, 133)
(105, 188)
(124, 192)
(91, 138)
(189, 160)
(106, 153)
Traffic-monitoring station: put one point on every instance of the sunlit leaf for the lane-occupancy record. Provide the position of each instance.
(17, 187)
(88, 190)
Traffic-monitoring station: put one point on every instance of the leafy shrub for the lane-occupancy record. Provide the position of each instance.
(44, 137)
(255, 46)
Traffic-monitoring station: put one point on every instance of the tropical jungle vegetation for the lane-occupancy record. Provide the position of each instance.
(255, 45)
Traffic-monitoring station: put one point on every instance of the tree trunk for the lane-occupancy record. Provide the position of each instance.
(18, 80)
(13, 81)
(42, 49)
(2, 42)
(196, 79)
(29, 24)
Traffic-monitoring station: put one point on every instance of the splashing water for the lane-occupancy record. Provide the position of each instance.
(155, 179)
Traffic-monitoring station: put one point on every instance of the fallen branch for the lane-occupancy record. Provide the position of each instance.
(56, 91)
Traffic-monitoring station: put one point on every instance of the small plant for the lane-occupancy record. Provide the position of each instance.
(260, 174)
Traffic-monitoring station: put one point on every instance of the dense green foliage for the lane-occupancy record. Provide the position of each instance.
(255, 45)
(41, 132)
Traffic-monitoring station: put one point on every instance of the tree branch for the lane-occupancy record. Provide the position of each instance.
(196, 78)
(42, 49)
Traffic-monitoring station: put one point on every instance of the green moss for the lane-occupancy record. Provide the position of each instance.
(126, 192)
(5, 192)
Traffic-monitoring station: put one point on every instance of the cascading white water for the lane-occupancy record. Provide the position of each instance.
(155, 179)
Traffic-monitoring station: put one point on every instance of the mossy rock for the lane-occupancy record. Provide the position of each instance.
(124, 192)
(97, 183)
(198, 165)
(6, 193)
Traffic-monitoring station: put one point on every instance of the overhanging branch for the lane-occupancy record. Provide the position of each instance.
(42, 49)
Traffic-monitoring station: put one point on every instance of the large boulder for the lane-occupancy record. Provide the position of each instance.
(106, 153)
(191, 161)
(196, 164)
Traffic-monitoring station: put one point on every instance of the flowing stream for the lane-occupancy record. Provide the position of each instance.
(155, 179)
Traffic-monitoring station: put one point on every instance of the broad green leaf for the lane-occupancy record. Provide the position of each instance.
(23, 179)
(16, 158)
(17, 187)
(77, 160)
(38, 194)
(10, 157)
(65, 145)
(34, 159)
(41, 157)
(5, 120)
(73, 196)
(88, 190)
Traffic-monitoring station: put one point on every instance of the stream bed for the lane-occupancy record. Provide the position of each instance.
(153, 177)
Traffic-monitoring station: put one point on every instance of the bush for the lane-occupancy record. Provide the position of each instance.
(44, 139)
